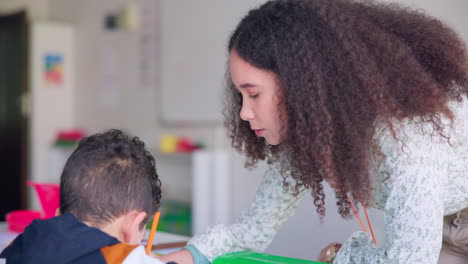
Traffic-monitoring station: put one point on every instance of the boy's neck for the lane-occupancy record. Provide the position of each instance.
(113, 228)
(126, 228)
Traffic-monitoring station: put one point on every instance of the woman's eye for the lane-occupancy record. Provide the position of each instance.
(253, 95)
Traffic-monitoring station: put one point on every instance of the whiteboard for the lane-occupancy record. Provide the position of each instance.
(193, 57)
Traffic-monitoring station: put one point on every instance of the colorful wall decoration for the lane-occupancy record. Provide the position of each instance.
(53, 68)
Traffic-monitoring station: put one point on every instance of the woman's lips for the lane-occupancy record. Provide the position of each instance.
(259, 132)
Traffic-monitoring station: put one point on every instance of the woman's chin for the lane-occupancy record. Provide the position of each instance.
(273, 142)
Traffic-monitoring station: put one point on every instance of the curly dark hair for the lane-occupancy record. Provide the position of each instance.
(108, 175)
(343, 68)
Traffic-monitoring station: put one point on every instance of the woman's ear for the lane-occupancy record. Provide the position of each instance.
(132, 233)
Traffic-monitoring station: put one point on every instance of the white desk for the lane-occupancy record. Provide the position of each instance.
(163, 242)
(5, 236)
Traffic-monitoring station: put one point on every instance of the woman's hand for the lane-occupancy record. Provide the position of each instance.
(328, 254)
(180, 257)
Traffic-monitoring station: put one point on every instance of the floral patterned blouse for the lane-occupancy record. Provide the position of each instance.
(416, 183)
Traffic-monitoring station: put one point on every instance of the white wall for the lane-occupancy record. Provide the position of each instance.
(102, 104)
(101, 53)
(37, 9)
(194, 36)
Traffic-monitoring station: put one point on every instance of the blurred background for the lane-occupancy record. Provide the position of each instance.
(155, 69)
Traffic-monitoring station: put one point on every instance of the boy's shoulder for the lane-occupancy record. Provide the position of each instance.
(61, 239)
(128, 254)
(66, 236)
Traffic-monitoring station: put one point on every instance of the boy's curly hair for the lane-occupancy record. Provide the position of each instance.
(344, 66)
(108, 175)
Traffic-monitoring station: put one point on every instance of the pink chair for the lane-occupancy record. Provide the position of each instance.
(49, 198)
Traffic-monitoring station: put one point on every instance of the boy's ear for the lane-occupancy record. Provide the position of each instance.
(132, 233)
(57, 212)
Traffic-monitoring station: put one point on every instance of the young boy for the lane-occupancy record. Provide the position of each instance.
(109, 190)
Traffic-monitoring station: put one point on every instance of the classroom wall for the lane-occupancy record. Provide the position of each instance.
(37, 9)
(110, 93)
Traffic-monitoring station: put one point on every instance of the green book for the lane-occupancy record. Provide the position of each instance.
(249, 257)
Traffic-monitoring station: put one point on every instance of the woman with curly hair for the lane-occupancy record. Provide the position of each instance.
(370, 98)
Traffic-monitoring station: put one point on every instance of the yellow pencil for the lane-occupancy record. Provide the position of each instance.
(152, 232)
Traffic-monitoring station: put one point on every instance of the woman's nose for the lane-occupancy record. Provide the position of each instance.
(246, 113)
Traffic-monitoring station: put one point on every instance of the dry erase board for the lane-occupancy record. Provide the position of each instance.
(193, 56)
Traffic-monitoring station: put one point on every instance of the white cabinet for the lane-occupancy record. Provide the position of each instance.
(52, 103)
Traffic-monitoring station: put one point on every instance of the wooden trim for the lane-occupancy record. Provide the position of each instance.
(169, 245)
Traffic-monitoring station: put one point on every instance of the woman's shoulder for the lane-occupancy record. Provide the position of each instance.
(280, 179)
(411, 151)
(417, 137)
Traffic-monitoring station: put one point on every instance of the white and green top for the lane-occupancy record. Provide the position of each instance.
(416, 184)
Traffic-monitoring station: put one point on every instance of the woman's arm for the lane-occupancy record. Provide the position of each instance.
(179, 257)
(254, 229)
